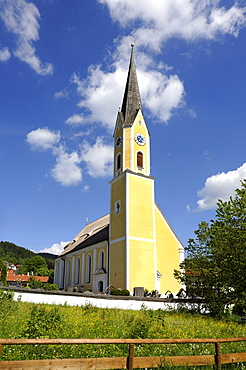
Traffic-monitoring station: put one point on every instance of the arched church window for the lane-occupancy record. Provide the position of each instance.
(88, 269)
(101, 260)
(140, 159)
(77, 270)
(68, 272)
(118, 162)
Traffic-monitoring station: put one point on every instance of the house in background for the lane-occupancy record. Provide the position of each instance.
(15, 279)
(132, 246)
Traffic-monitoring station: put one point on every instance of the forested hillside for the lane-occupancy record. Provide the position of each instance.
(12, 253)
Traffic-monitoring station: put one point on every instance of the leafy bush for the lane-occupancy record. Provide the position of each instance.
(240, 305)
(34, 283)
(122, 292)
(140, 328)
(43, 323)
(4, 272)
(6, 295)
(50, 286)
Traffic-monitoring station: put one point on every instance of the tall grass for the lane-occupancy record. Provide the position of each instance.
(27, 320)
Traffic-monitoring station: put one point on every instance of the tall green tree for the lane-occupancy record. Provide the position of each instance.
(216, 258)
(36, 265)
(4, 272)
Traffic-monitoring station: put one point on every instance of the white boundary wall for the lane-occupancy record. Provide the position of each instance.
(72, 300)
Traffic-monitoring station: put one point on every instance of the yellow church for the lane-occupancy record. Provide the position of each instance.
(133, 246)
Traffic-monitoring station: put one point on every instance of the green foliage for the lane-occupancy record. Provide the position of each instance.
(122, 292)
(19, 319)
(6, 308)
(34, 283)
(36, 265)
(50, 286)
(51, 276)
(49, 258)
(45, 322)
(6, 295)
(19, 255)
(239, 307)
(14, 254)
(4, 272)
(140, 328)
(216, 260)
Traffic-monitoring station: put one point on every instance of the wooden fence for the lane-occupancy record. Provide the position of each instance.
(129, 362)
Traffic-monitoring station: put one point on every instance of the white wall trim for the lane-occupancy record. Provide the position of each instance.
(142, 239)
(117, 240)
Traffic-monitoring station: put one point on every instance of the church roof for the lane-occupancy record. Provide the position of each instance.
(131, 100)
(92, 233)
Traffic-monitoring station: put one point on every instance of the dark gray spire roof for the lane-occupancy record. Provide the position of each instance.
(132, 100)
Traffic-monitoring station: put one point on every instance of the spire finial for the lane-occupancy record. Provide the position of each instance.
(132, 44)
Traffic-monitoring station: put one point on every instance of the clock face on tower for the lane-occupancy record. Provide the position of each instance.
(140, 139)
(118, 141)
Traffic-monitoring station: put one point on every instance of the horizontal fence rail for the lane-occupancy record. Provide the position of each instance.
(130, 362)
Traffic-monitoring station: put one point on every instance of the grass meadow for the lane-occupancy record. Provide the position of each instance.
(27, 320)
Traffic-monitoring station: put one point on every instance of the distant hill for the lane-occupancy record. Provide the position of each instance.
(49, 256)
(11, 252)
(50, 259)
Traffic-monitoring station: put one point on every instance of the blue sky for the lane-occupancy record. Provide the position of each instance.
(63, 69)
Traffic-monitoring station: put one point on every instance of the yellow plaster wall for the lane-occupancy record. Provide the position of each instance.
(127, 148)
(143, 148)
(117, 220)
(118, 265)
(141, 265)
(118, 132)
(140, 203)
(168, 258)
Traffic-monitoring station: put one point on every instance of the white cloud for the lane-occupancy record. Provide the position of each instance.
(164, 19)
(75, 120)
(22, 19)
(43, 138)
(64, 93)
(86, 188)
(5, 55)
(98, 158)
(102, 92)
(99, 92)
(155, 22)
(161, 94)
(66, 170)
(220, 186)
(56, 248)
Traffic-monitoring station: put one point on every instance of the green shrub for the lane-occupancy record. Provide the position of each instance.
(43, 323)
(239, 307)
(122, 292)
(4, 273)
(50, 286)
(6, 295)
(34, 283)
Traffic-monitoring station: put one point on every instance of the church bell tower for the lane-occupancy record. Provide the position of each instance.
(132, 210)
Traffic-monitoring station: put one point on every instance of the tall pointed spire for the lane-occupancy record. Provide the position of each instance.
(132, 100)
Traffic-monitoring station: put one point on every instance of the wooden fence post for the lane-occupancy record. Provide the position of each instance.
(130, 357)
(217, 356)
(1, 348)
